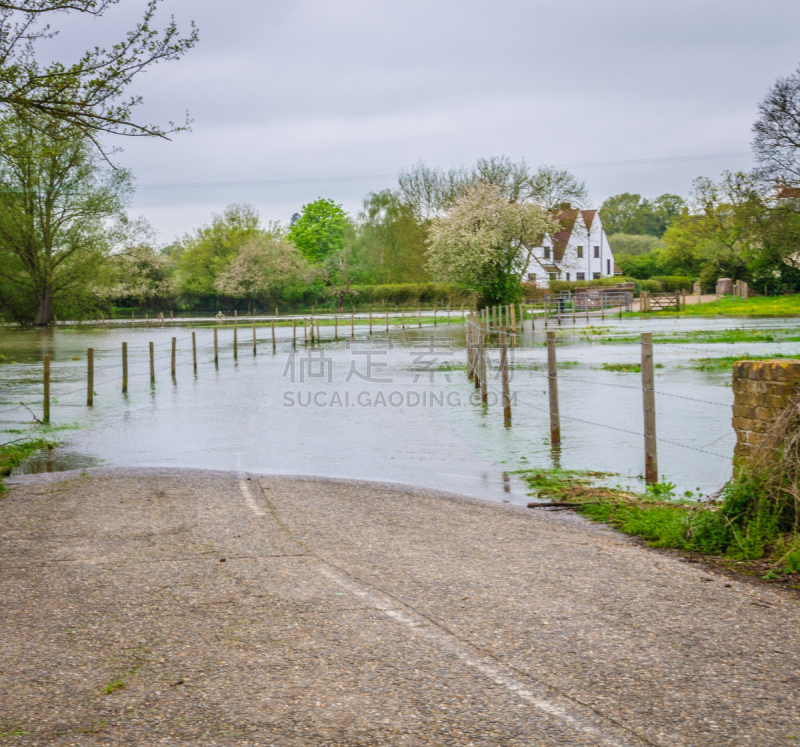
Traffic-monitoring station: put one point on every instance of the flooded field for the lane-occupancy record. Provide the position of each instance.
(397, 406)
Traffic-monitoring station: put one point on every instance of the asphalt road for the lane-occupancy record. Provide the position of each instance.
(145, 607)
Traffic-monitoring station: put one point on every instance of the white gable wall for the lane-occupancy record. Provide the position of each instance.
(574, 263)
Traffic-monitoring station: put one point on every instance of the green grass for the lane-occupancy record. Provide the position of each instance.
(766, 306)
(626, 367)
(785, 334)
(113, 686)
(11, 454)
(725, 363)
(742, 525)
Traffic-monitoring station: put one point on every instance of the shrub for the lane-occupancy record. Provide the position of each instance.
(673, 282)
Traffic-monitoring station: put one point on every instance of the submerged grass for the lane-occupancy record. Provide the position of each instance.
(758, 306)
(725, 363)
(785, 334)
(755, 518)
(14, 452)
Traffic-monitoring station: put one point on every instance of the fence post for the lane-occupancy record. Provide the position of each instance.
(649, 400)
(335, 328)
(387, 320)
(152, 364)
(470, 372)
(319, 333)
(216, 348)
(170, 316)
(555, 420)
(370, 322)
(273, 335)
(352, 326)
(174, 343)
(254, 338)
(482, 367)
(305, 330)
(513, 311)
(419, 317)
(504, 378)
(235, 341)
(90, 377)
(124, 367)
(194, 353)
(46, 382)
(403, 313)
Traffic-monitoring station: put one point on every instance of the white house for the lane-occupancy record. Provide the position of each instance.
(579, 251)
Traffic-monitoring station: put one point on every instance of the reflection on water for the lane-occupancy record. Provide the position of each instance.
(384, 409)
(59, 459)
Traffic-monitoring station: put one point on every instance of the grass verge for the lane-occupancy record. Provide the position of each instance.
(14, 452)
(751, 528)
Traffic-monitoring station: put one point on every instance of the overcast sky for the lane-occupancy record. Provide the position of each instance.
(315, 89)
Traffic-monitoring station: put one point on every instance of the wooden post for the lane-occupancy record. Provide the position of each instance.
(470, 362)
(273, 335)
(419, 317)
(352, 326)
(319, 334)
(335, 328)
(90, 377)
(254, 338)
(370, 322)
(387, 320)
(152, 364)
(649, 399)
(448, 313)
(305, 330)
(434, 313)
(552, 373)
(572, 301)
(46, 382)
(124, 367)
(504, 378)
(216, 347)
(294, 333)
(235, 341)
(146, 319)
(513, 310)
(170, 316)
(476, 360)
(482, 368)
(194, 352)
(404, 318)
(174, 344)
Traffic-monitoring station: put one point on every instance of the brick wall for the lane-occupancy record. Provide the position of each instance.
(761, 389)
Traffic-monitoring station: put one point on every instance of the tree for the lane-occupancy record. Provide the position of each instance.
(264, 266)
(484, 242)
(430, 191)
(201, 258)
(628, 213)
(389, 244)
(87, 94)
(776, 142)
(144, 275)
(56, 199)
(319, 231)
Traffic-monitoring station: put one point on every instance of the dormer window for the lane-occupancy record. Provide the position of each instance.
(547, 252)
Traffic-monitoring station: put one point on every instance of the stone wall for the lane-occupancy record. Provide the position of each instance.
(761, 390)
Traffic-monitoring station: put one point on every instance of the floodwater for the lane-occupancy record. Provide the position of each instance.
(380, 408)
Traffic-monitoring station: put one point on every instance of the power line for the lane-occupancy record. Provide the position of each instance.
(289, 181)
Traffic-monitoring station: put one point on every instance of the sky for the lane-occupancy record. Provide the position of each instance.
(292, 100)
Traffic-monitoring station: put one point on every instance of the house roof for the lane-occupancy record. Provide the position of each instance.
(567, 220)
(588, 217)
(788, 193)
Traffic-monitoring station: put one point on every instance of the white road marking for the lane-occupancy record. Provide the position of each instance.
(248, 497)
(492, 671)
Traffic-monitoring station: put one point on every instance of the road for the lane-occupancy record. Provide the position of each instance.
(184, 607)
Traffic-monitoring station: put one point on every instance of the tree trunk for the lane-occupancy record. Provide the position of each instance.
(45, 310)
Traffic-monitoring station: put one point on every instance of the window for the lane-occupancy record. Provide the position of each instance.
(597, 251)
(595, 276)
(608, 267)
(553, 276)
(580, 276)
(567, 277)
(532, 276)
(547, 252)
(580, 252)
